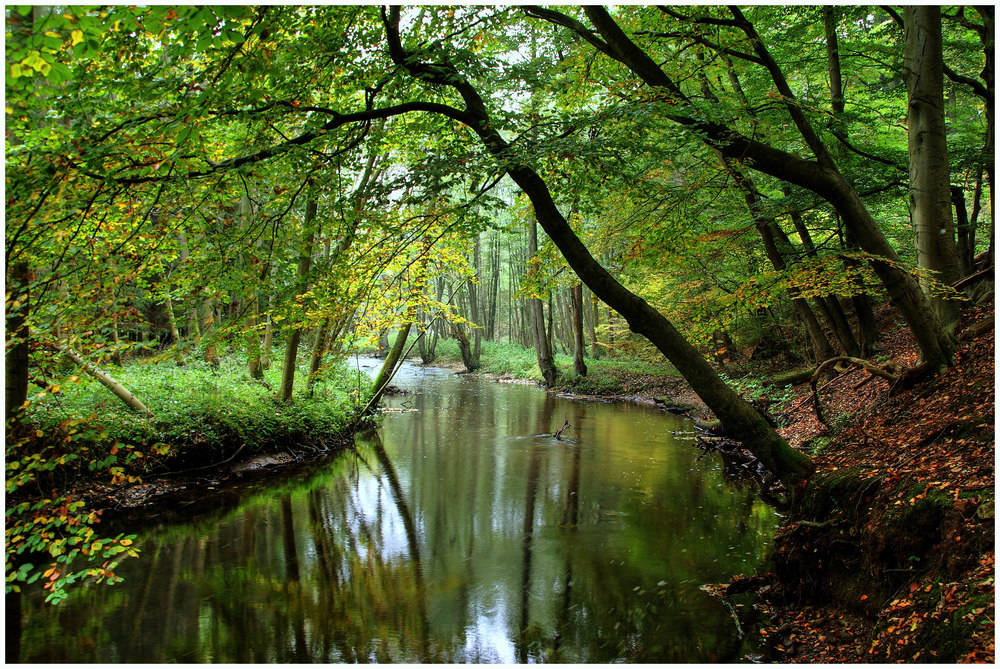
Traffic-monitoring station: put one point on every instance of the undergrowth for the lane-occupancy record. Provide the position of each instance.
(199, 411)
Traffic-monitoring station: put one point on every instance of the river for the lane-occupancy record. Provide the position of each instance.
(459, 531)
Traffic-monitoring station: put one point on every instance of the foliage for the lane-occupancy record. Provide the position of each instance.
(58, 527)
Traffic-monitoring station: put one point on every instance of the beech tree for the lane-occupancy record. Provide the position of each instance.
(818, 174)
(930, 170)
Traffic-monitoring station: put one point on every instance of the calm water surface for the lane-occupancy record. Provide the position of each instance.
(460, 531)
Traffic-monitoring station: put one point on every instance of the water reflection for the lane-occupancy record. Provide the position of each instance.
(460, 532)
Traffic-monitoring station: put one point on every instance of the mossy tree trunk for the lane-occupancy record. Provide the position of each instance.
(388, 369)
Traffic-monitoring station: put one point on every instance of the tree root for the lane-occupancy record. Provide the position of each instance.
(872, 369)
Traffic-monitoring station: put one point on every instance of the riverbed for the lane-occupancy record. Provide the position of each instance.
(460, 530)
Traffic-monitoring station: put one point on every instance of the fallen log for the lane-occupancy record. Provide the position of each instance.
(120, 391)
(973, 278)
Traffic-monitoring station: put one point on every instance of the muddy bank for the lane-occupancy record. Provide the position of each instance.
(182, 483)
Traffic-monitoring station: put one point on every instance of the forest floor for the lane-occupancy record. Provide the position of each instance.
(926, 459)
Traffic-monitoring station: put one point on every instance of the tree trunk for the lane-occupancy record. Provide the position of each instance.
(867, 330)
(194, 326)
(770, 233)
(388, 369)
(579, 347)
(545, 362)
(930, 177)
(475, 312)
(464, 348)
(596, 350)
(833, 61)
(254, 361)
(302, 273)
(116, 353)
(319, 349)
(965, 243)
(168, 307)
(267, 347)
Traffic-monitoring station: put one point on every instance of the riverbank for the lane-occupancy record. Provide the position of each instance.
(888, 552)
(79, 452)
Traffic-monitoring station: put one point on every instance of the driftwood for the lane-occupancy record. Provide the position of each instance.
(558, 433)
(869, 367)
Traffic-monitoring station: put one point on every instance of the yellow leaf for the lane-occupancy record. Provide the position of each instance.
(52, 33)
(77, 36)
(125, 542)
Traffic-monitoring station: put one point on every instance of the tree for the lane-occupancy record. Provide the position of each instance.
(819, 175)
(543, 347)
(930, 171)
(738, 417)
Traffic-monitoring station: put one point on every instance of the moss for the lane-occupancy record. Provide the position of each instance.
(792, 377)
(846, 492)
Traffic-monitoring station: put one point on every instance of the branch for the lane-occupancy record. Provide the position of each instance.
(305, 138)
(893, 14)
(701, 39)
(703, 20)
(977, 87)
(870, 156)
(561, 19)
(810, 136)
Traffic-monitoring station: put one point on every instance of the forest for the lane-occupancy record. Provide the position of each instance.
(775, 220)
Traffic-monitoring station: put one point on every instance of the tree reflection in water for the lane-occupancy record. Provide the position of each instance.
(459, 532)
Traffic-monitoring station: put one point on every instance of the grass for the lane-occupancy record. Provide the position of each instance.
(201, 414)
